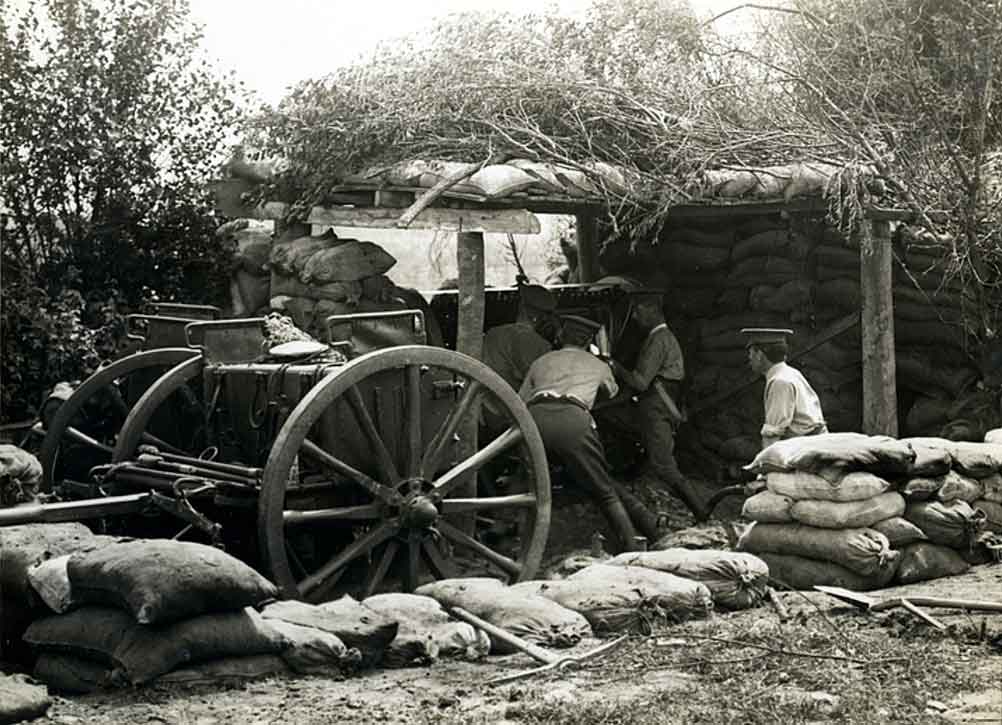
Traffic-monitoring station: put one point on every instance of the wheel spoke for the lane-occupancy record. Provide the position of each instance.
(414, 427)
(466, 505)
(413, 561)
(376, 576)
(297, 565)
(444, 435)
(439, 566)
(152, 440)
(474, 463)
(383, 459)
(377, 489)
(366, 512)
(357, 548)
(78, 436)
(463, 539)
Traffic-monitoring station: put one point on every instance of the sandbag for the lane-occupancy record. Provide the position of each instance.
(349, 261)
(849, 514)
(313, 651)
(924, 561)
(20, 474)
(799, 572)
(993, 514)
(618, 598)
(426, 631)
(253, 251)
(768, 507)
(70, 674)
(994, 436)
(51, 582)
(852, 486)
(954, 524)
(992, 488)
(162, 580)
(288, 286)
(346, 618)
(977, 460)
(899, 531)
(852, 451)
(140, 653)
(21, 700)
(771, 242)
(863, 551)
(933, 456)
(250, 294)
(534, 618)
(500, 180)
(227, 670)
(921, 489)
(736, 580)
(290, 256)
(959, 488)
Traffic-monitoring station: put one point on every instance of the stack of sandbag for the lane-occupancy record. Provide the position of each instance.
(615, 598)
(250, 280)
(132, 611)
(953, 501)
(829, 512)
(22, 548)
(315, 277)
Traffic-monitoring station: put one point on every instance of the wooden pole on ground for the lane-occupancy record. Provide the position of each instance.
(470, 340)
(880, 400)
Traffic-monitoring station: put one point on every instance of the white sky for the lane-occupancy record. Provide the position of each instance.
(272, 44)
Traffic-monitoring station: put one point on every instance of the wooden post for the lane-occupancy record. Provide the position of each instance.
(470, 341)
(880, 400)
(587, 236)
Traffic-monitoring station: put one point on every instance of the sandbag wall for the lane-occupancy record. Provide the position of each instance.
(859, 511)
(728, 272)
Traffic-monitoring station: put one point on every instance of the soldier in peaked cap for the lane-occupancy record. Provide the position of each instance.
(792, 408)
(560, 390)
(510, 349)
(656, 412)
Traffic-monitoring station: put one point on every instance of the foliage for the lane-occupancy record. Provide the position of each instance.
(626, 84)
(911, 87)
(110, 125)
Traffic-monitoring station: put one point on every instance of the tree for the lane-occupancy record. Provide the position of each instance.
(910, 88)
(110, 126)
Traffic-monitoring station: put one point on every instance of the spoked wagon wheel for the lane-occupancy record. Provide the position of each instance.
(86, 427)
(368, 485)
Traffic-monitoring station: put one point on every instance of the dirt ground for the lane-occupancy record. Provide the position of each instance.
(823, 662)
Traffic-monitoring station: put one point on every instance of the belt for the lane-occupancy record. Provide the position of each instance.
(554, 398)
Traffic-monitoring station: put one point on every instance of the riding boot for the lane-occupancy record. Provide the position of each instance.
(620, 523)
(642, 517)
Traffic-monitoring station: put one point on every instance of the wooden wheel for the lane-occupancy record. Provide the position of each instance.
(86, 427)
(356, 498)
(183, 376)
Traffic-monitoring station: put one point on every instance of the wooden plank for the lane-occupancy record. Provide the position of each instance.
(833, 330)
(587, 239)
(470, 341)
(513, 221)
(880, 400)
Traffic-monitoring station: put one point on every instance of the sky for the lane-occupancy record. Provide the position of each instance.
(272, 44)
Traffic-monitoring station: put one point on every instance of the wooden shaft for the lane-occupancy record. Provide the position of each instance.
(939, 602)
(922, 615)
(880, 400)
(537, 653)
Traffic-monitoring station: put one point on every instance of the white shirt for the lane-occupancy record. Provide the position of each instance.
(792, 408)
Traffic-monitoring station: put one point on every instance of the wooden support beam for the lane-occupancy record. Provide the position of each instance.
(513, 221)
(470, 341)
(880, 399)
(587, 236)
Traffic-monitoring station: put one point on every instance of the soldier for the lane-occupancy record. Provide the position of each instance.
(656, 383)
(560, 390)
(792, 408)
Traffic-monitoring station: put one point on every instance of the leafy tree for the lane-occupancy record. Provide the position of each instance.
(110, 125)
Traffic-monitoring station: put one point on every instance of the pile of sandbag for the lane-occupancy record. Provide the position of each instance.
(859, 511)
(315, 277)
(130, 612)
(250, 280)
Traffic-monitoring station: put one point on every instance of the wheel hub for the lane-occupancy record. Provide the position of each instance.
(418, 510)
